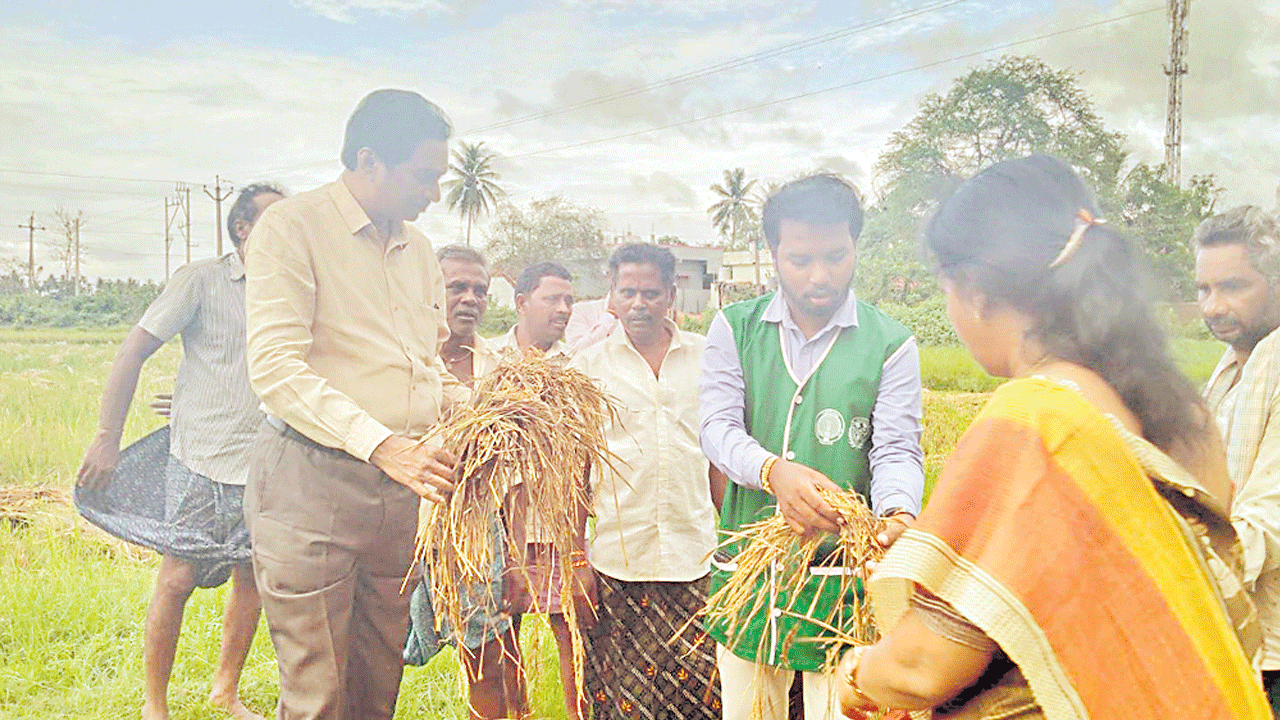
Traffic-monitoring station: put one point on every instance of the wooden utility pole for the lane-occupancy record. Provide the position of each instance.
(217, 198)
(185, 193)
(1179, 15)
(169, 218)
(167, 239)
(76, 290)
(31, 229)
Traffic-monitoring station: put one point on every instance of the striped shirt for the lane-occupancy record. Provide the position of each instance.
(215, 412)
(1245, 401)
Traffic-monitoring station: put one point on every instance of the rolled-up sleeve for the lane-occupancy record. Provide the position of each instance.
(897, 462)
(722, 428)
(280, 295)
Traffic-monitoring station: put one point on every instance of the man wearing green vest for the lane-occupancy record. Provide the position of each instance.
(803, 389)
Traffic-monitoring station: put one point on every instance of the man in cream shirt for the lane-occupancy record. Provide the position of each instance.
(655, 507)
(346, 314)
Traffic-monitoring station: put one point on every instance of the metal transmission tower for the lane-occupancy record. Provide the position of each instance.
(1179, 14)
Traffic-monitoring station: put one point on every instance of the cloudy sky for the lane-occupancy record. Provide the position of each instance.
(631, 106)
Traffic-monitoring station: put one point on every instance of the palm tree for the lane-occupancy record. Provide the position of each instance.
(475, 189)
(735, 209)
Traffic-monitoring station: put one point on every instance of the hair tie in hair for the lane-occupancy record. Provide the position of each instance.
(1084, 221)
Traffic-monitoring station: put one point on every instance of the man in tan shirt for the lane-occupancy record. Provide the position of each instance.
(346, 315)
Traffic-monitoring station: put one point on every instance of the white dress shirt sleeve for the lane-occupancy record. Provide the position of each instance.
(897, 462)
(722, 428)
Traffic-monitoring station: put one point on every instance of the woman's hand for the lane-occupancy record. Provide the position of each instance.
(853, 704)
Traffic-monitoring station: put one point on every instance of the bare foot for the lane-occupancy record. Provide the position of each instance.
(235, 708)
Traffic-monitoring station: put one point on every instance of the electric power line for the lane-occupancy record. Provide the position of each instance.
(731, 64)
(69, 189)
(727, 65)
(842, 86)
(77, 176)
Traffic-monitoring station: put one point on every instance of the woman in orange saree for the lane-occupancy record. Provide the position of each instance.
(1074, 559)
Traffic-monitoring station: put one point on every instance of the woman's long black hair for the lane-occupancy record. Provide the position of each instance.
(1000, 234)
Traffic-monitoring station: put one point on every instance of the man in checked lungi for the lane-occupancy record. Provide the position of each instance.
(805, 389)
(487, 644)
(193, 516)
(654, 507)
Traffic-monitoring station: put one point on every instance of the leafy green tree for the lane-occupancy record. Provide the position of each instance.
(1014, 106)
(892, 267)
(549, 229)
(1162, 216)
(475, 190)
(1010, 108)
(736, 210)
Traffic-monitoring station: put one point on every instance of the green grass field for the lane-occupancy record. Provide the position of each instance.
(72, 602)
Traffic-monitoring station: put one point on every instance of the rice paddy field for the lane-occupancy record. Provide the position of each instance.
(72, 600)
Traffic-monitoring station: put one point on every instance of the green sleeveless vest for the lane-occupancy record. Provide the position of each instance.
(823, 422)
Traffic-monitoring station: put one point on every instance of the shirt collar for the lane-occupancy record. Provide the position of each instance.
(845, 316)
(235, 266)
(509, 340)
(619, 335)
(481, 346)
(356, 218)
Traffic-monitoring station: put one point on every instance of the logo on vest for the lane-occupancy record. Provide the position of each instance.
(859, 431)
(829, 426)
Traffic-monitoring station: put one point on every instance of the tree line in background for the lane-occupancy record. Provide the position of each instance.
(1008, 108)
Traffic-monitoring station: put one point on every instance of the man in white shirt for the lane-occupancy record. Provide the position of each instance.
(1238, 284)
(654, 508)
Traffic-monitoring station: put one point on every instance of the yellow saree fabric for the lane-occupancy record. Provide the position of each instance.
(1046, 532)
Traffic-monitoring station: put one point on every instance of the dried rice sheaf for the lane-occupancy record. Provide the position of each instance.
(771, 545)
(533, 420)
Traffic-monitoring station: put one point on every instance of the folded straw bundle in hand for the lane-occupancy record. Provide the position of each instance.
(531, 420)
(772, 546)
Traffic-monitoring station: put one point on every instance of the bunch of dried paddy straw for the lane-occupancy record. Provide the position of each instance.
(772, 546)
(531, 420)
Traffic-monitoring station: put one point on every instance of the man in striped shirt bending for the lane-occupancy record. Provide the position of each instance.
(201, 535)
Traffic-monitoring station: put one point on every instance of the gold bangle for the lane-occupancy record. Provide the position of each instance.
(764, 474)
(866, 703)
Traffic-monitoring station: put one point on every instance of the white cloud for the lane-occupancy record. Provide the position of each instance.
(683, 8)
(201, 106)
(347, 11)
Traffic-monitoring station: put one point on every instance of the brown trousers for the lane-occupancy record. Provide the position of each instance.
(332, 541)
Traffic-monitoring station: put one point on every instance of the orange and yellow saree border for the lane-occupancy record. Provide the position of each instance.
(1046, 533)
